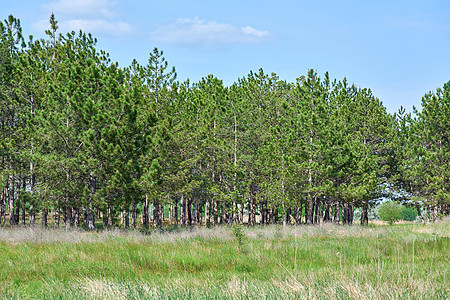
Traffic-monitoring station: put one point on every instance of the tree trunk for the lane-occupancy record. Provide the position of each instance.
(434, 212)
(222, 216)
(309, 210)
(122, 218)
(251, 210)
(285, 214)
(91, 220)
(2, 208)
(91, 223)
(207, 214)
(145, 214)
(32, 184)
(110, 215)
(419, 213)
(365, 213)
(320, 204)
(32, 214)
(241, 215)
(133, 214)
(17, 213)
(76, 212)
(32, 175)
(127, 218)
(298, 213)
(229, 212)
(289, 215)
(11, 208)
(23, 213)
(156, 213)
(351, 210)
(214, 212)
(443, 209)
(44, 217)
(183, 211)
(161, 214)
(327, 217)
(142, 213)
(336, 214)
(170, 210)
(194, 213)
(199, 213)
(262, 213)
(68, 218)
(189, 211)
(105, 218)
(316, 211)
(175, 209)
(428, 212)
(273, 215)
(345, 213)
(57, 216)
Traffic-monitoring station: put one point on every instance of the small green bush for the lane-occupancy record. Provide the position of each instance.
(238, 232)
(390, 212)
(409, 214)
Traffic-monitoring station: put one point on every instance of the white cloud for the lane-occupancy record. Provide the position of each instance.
(252, 31)
(98, 17)
(96, 27)
(195, 32)
(85, 8)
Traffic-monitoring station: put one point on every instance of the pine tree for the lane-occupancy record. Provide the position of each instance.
(157, 81)
(312, 113)
(408, 175)
(11, 119)
(433, 129)
(30, 83)
(212, 94)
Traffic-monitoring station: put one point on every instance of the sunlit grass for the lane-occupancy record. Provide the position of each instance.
(340, 262)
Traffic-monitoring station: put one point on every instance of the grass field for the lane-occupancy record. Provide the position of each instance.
(407, 261)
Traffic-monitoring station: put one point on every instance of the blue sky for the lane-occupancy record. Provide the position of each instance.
(399, 49)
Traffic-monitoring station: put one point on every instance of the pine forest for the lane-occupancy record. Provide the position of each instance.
(88, 143)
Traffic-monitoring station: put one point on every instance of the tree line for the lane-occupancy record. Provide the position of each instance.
(82, 139)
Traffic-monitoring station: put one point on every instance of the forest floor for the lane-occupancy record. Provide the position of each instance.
(403, 261)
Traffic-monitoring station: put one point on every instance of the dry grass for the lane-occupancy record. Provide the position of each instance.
(38, 234)
(301, 287)
(41, 235)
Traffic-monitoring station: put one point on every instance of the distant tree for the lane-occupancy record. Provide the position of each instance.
(408, 213)
(390, 212)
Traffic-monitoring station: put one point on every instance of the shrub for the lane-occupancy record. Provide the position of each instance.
(390, 212)
(409, 213)
(238, 232)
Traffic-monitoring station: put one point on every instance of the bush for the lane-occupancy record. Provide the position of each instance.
(390, 212)
(409, 214)
(238, 232)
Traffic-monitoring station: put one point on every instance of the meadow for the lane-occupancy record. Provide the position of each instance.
(403, 261)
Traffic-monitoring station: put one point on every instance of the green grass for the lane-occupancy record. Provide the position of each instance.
(407, 261)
